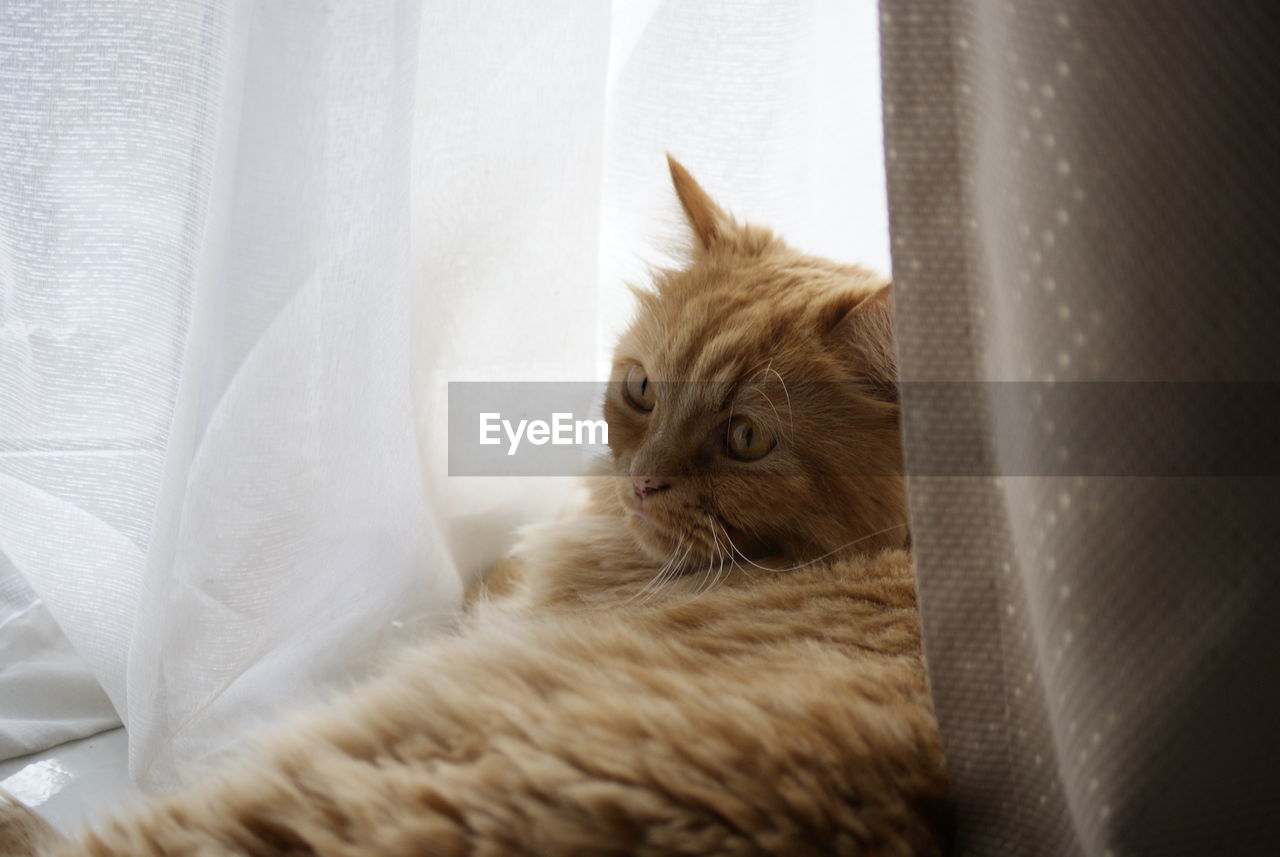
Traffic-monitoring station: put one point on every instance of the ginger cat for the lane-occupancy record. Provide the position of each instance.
(718, 654)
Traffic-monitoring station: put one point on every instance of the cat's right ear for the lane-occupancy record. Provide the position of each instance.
(861, 327)
(709, 222)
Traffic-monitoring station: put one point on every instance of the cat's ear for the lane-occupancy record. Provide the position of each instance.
(860, 328)
(709, 222)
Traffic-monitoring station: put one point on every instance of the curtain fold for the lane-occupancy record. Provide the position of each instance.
(104, 159)
(1083, 203)
(213, 294)
(292, 529)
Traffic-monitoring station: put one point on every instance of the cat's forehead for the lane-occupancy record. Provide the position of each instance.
(721, 331)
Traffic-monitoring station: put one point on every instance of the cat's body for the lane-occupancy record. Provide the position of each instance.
(675, 669)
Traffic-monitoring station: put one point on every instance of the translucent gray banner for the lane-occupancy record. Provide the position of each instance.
(500, 428)
(1172, 429)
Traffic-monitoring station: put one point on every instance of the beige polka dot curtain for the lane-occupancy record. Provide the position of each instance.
(1086, 241)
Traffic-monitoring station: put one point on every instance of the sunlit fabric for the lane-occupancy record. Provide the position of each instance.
(244, 246)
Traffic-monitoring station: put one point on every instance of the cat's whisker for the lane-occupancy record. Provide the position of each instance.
(705, 578)
(791, 414)
(705, 582)
(668, 572)
(676, 568)
(767, 369)
(718, 560)
(750, 373)
(733, 549)
(661, 571)
(720, 556)
(724, 555)
(672, 568)
(776, 415)
(828, 553)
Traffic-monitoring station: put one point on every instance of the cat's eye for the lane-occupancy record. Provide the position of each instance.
(638, 389)
(748, 441)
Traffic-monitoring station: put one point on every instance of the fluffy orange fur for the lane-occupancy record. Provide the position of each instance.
(719, 653)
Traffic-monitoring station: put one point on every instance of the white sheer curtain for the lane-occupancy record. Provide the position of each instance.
(245, 245)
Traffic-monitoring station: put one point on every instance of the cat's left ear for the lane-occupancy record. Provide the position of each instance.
(709, 222)
(860, 327)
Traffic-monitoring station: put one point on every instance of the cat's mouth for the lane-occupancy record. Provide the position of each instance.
(688, 538)
(653, 537)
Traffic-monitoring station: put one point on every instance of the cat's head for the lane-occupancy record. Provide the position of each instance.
(753, 405)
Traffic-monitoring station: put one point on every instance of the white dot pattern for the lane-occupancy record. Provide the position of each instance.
(1083, 192)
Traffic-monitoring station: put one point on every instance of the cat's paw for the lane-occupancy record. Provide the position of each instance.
(22, 832)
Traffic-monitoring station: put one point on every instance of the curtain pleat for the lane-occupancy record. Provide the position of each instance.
(1083, 203)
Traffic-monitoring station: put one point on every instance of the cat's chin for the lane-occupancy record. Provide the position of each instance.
(656, 543)
(660, 544)
(660, 535)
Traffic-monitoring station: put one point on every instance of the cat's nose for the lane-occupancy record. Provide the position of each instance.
(647, 486)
